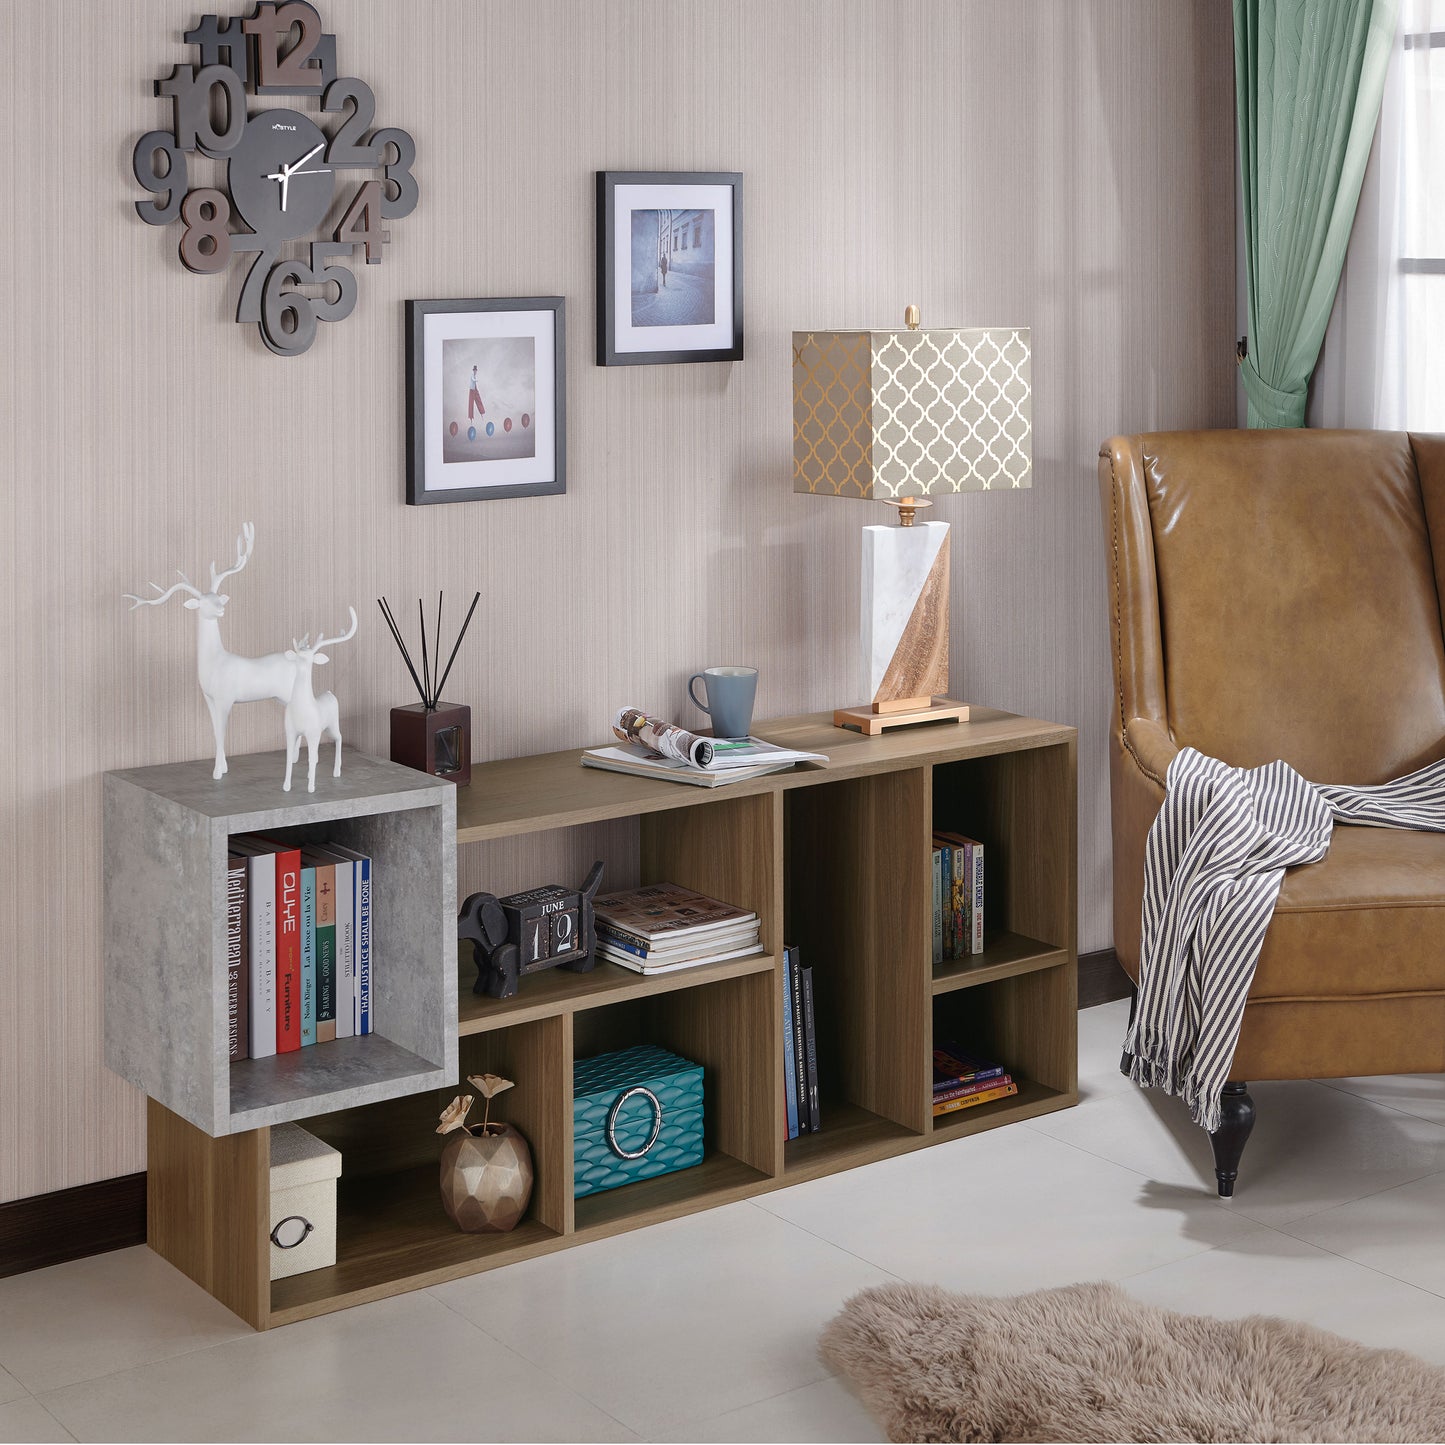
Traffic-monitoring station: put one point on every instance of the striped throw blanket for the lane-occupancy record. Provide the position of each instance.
(1213, 866)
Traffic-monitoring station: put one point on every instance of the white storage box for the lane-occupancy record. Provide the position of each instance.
(304, 1171)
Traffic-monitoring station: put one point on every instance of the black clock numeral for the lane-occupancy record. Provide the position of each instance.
(307, 65)
(361, 225)
(201, 228)
(193, 91)
(277, 304)
(171, 185)
(248, 305)
(398, 172)
(323, 273)
(344, 149)
(212, 40)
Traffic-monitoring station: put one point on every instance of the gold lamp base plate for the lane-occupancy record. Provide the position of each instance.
(864, 720)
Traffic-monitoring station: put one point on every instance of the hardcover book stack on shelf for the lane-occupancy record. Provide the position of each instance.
(664, 927)
(800, 1046)
(957, 896)
(298, 941)
(961, 1080)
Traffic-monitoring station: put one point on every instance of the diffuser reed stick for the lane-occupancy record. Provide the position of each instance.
(428, 685)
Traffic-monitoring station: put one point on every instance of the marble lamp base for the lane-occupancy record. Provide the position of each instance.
(904, 630)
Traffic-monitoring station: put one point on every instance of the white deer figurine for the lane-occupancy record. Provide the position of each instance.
(225, 677)
(309, 716)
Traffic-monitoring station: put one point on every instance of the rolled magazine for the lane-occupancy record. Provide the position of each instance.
(632, 725)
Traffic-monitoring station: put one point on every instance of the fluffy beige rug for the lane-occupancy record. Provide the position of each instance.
(1090, 1363)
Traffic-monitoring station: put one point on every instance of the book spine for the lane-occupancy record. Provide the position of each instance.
(938, 905)
(961, 1091)
(946, 883)
(961, 895)
(345, 951)
(800, 1057)
(325, 952)
(363, 946)
(987, 1096)
(237, 984)
(625, 945)
(308, 956)
(288, 951)
(790, 1079)
(977, 898)
(261, 891)
(810, 1044)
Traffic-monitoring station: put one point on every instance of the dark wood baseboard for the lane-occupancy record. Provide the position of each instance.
(1101, 978)
(72, 1223)
(111, 1214)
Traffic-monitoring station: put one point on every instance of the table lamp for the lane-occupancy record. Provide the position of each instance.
(897, 416)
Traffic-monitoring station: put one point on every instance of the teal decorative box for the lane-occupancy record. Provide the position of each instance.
(635, 1114)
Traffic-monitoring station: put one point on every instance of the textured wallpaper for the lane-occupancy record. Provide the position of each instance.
(1061, 165)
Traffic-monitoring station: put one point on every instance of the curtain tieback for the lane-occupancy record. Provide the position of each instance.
(1275, 408)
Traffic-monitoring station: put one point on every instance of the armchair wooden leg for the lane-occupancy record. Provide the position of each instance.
(1235, 1123)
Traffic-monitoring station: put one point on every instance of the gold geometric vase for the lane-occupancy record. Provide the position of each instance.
(897, 417)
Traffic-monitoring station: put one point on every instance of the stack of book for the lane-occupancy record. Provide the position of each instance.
(962, 1079)
(733, 760)
(298, 946)
(664, 927)
(800, 1046)
(957, 896)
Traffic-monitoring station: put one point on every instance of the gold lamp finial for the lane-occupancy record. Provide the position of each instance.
(912, 319)
(907, 508)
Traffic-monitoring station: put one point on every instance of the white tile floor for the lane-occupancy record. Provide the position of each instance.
(704, 1329)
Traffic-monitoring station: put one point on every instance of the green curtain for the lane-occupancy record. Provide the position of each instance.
(1308, 79)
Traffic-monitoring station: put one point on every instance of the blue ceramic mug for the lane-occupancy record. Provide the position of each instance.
(730, 693)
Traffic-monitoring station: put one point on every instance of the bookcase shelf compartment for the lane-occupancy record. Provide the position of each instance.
(1004, 954)
(167, 831)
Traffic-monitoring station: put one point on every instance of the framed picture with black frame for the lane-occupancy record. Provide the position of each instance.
(669, 267)
(486, 410)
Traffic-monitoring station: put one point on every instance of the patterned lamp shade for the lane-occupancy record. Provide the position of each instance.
(909, 413)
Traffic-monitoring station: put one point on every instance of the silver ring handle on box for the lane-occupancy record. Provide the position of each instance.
(611, 1126)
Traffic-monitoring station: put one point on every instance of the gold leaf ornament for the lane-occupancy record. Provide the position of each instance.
(454, 1116)
(489, 1085)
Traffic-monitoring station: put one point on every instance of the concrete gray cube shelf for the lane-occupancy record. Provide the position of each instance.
(166, 835)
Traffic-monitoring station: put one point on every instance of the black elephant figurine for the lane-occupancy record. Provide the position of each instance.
(548, 927)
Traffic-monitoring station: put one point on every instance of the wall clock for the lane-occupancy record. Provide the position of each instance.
(297, 201)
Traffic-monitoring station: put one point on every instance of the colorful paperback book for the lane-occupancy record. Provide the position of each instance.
(325, 867)
(946, 901)
(361, 909)
(308, 955)
(790, 1082)
(976, 912)
(261, 940)
(345, 948)
(987, 1096)
(962, 1091)
(288, 949)
(970, 854)
(953, 1066)
(237, 982)
(810, 1047)
(956, 910)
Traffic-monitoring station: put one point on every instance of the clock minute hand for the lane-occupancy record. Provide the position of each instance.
(306, 157)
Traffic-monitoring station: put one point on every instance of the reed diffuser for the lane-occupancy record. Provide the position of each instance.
(431, 736)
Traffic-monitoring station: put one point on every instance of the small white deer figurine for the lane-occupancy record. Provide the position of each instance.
(309, 716)
(225, 677)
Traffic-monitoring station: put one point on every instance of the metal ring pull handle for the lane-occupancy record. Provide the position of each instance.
(612, 1113)
(291, 1219)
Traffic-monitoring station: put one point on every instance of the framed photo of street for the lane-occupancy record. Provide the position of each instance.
(669, 267)
(486, 412)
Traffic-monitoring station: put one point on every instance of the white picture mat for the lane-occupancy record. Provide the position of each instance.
(505, 472)
(706, 197)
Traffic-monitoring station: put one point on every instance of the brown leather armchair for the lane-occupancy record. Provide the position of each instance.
(1278, 594)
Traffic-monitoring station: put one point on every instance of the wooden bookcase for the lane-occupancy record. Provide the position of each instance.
(836, 860)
